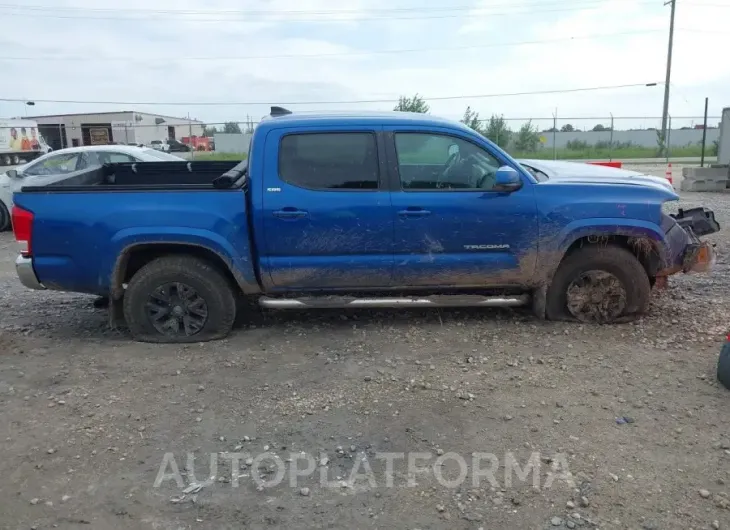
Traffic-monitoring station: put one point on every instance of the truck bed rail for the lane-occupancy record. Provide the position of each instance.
(151, 176)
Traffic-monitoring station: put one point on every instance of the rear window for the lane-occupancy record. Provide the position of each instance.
(330, 161)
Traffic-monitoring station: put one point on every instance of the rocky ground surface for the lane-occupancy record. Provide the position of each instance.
(625, 426)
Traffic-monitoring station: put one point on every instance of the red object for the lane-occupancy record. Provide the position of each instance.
(199, 143)
(617, 165)
(668, 173)
(23, 228)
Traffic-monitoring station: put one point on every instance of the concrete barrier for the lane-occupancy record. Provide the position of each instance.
(704, 178)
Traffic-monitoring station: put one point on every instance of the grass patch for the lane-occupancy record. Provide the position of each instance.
(212, 155)
(590, 152)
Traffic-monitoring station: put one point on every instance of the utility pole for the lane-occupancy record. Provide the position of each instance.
(665, 113)
(191, 143)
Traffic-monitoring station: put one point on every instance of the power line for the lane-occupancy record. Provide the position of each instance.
(703, 4)
(340, 54)
(362, 101)
(352, 17)
(574, 119)
(253, 12)
(355, 52)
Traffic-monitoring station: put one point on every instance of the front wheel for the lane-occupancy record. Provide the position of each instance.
(603, 284)
(179, 299)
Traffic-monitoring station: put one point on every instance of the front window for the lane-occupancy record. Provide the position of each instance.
(430, 162)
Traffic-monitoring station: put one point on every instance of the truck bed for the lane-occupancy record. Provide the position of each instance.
(150, 176)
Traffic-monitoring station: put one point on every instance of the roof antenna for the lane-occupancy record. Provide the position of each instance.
(279, 111)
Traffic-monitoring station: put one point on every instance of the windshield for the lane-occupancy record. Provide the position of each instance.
(161, 155)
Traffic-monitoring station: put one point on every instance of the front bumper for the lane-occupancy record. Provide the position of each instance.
(686, 252)
(24, 268)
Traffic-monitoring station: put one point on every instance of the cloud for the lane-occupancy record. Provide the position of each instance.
(155, 56)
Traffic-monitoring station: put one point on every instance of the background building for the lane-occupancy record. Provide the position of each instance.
(128, 127)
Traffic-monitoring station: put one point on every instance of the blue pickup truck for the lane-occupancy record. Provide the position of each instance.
(351, 211)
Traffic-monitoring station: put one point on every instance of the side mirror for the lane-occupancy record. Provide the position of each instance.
(507, 179)
(12, 173)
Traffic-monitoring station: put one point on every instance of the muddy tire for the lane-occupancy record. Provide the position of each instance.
(4, 218)
(603, 284)
(723, 365)
(178, 299)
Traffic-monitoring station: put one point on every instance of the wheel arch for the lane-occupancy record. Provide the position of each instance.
(645, 249)
(643, 239)
(135, 256)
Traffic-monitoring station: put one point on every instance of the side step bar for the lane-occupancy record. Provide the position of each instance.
(329, 302)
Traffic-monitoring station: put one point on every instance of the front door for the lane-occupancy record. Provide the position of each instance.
(452, 228)
(327, 216)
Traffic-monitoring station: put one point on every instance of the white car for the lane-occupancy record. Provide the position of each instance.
(57, 165)
(560, 170)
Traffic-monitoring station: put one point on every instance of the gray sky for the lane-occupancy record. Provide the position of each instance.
(225, 51)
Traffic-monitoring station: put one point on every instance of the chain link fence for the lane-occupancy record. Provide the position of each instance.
(555, 137)
(608, 137)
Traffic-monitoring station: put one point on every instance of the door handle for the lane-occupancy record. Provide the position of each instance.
(414, 212)
(290, 213)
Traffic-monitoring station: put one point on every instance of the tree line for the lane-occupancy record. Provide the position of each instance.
(525, 139)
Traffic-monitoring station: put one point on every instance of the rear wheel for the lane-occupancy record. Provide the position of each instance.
(179, 299)
(603, 284)
(5, 160)
(16, 160)
(4, 217)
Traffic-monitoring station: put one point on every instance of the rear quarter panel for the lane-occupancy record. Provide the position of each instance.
(78, 236)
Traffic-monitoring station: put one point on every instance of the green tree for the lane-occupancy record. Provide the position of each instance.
(414, 104)
(600, 127)
(498, 131)
(567, 128)
(231, 127)
(471, 119)
(714, 148)
(661, 143)
(209, 131)
(527, 138)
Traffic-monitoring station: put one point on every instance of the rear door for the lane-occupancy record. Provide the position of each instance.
(326, 209)
(452, 225)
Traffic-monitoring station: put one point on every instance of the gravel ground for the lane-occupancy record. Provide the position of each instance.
(88, 416)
